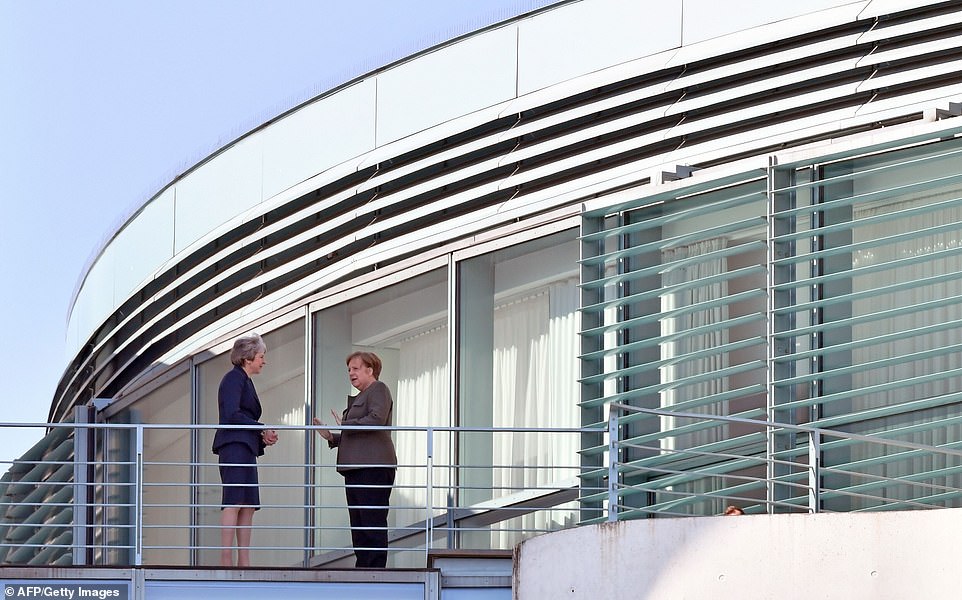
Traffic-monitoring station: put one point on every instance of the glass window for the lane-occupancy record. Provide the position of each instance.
(278, 525)
(697, 264)
(518, 351)
(406, 326)
(167, 501)
(891, 341)
(679, 326)
(824, 295)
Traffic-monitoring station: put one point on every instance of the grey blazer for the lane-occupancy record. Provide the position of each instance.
(358, 449)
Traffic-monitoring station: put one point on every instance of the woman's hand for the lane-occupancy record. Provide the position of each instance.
(269, 436)
(324, 433)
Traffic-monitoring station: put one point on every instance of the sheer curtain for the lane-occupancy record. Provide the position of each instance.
(681, 335)
(682, 338)
(422, 401)
(907, 369)
(535, 385)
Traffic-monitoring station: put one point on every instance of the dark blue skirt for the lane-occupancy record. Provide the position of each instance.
(238, 474)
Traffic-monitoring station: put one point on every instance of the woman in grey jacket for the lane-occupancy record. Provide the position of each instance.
(366, 459)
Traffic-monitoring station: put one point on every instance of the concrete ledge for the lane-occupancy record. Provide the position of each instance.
(851, 556)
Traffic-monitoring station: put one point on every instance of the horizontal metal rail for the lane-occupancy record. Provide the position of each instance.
(131, 503)
(131, 500)
(825, 470)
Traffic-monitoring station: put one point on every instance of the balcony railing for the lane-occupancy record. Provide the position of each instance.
(711, 462)
(130, 495)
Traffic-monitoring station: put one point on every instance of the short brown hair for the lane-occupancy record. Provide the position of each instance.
(246, 348)
(368, 359)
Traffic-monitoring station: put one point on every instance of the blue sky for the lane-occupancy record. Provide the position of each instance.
(103, 102)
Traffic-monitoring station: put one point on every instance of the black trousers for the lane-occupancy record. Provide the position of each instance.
(368, 496)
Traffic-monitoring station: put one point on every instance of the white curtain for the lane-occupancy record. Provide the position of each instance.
(535, 385)
(422, 401)
(686, 343)
(907, 369)
(907, 297)
(535, 376)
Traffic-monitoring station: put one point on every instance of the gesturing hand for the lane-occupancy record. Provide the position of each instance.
(324, 433)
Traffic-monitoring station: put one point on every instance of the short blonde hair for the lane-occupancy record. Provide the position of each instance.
(246, 348)
(368, 359)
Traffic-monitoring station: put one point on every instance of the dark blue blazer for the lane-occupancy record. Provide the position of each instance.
(238, 404)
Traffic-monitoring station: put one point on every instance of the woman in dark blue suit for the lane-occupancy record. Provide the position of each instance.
(238, 449)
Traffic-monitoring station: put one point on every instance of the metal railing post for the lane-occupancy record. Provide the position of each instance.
(82, 440)
(139, 497)
(612, 464)
(429, 500)
(814, 471)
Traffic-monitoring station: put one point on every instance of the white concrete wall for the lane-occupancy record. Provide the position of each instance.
(480, 71)
(851, 556)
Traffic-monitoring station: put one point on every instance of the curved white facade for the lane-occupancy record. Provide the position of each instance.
(489, 83)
